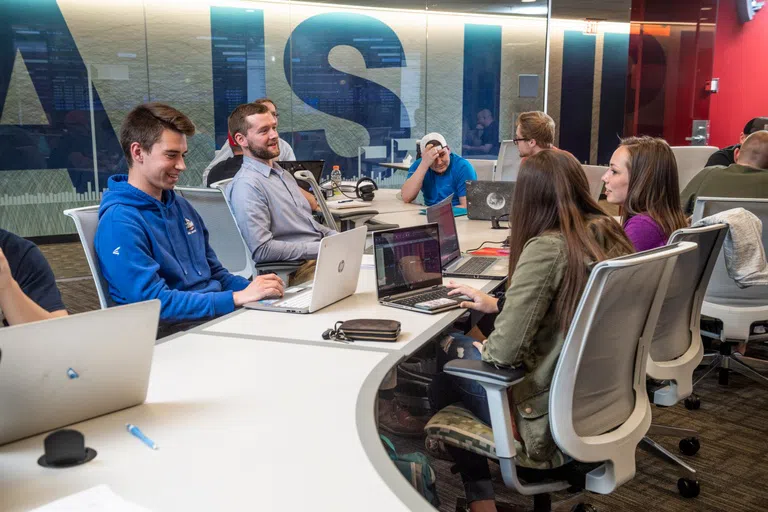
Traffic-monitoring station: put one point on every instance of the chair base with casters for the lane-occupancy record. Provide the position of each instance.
(687, 485)
(737, 325)
(457, 426)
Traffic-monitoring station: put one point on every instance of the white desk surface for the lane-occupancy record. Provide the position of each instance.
(240, 425)
(385, 201)
(416, 328)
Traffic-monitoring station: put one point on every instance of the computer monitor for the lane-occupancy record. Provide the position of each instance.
(313, 166)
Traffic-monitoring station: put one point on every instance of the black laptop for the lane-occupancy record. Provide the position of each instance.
(313, 166)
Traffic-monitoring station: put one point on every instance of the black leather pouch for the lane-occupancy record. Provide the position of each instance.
(367, 329)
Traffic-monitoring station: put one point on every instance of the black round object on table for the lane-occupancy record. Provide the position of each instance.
(65, 449)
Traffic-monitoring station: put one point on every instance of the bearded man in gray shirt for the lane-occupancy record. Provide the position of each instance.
(273, 215)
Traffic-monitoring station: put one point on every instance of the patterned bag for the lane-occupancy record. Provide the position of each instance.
(416, 469)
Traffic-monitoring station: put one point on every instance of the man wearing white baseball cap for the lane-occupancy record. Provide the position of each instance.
(438, 173)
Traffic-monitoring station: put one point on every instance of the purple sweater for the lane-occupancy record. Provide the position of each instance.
(644, 233)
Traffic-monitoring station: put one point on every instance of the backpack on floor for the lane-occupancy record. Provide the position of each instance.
(416, 469)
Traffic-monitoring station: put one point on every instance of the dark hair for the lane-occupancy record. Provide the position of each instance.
(654, 187)
(537, 126)
(754, 125)
(238, 122)
(552, 195)
(145, 124)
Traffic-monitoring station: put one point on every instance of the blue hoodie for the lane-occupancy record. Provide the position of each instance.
(150, 249)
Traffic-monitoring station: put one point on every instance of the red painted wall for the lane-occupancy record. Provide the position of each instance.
(741, 64)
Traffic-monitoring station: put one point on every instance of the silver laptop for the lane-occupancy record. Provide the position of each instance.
(408, 272)
(336, 273)
(66, 370)
(451, 259)
(489, 199)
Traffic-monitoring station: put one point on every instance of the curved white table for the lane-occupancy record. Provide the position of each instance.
(241, 425)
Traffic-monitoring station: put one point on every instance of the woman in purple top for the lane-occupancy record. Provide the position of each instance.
(643, 180)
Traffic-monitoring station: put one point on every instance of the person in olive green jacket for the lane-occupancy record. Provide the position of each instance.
(748, 177)
(557, 232)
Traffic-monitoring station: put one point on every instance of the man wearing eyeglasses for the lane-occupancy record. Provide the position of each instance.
(438, 173)
(534, 132)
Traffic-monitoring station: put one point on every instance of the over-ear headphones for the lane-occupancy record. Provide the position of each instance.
(364, 189)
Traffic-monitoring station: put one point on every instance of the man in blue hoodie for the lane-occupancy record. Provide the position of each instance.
(150, 242)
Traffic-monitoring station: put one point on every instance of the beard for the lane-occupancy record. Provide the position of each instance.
(264, 152)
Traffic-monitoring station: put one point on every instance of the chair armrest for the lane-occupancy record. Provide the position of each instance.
(267, 267)
(484, 372)
(352, 214)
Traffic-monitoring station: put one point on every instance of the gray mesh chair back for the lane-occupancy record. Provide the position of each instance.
(483, 168)
(690, 161)
(722, 289)
(599, 410)
(508, 163)
(594, 174)
(678, 325)
(86, 221)
(223, 234)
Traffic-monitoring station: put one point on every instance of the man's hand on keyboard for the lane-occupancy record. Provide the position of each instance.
(480, 301)
(263, 287)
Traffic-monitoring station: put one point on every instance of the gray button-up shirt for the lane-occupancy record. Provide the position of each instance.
(273, 215)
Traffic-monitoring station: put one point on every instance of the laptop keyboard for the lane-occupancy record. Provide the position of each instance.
(440, 293)
(301, 300)
(475, 265)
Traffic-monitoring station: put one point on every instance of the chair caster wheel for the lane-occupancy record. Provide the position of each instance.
(688, 488)
(692, 403)
(583, 507)
(689, 446)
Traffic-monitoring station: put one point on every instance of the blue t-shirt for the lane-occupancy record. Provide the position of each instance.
(437, 187)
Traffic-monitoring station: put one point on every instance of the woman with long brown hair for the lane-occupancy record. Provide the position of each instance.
(643, 180)
(557, 231)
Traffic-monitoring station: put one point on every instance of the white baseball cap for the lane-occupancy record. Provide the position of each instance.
(430, 137)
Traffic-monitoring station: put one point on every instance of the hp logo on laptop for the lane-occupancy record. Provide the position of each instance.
(341, 266)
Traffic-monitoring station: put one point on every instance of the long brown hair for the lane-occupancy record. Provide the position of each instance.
(552, 195)
(653, 187)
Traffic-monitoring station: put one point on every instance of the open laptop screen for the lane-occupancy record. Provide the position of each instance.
(313, 166)
(407, 259)
(442, 213)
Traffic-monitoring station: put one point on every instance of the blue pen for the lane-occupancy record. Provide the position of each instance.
(345, 201)
(133, 429)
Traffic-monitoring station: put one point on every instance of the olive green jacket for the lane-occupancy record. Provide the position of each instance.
(527, 332)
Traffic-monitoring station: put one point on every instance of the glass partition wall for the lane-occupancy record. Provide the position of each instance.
(356, 85)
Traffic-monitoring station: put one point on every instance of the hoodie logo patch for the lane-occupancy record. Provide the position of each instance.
(191, 229)
(116, 252)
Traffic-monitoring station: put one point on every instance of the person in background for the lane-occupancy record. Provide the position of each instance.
(488, 131)
(727, 155)
(227, 150)
(151, 243)
(28, 291)
(643, 180)
(438, 173)
(225, 169)
(557, 232)
(274, 218)
(534, 132)
(748, 177)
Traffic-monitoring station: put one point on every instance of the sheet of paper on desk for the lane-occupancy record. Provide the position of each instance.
(343, 204)
(94, 499)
